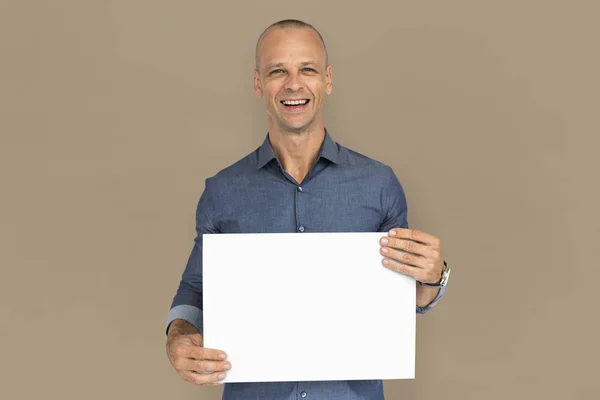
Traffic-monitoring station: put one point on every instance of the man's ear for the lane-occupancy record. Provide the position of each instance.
(328, 81)
(257, 89)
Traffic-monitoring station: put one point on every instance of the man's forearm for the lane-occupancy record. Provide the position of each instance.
(426, 294)
(181, 327)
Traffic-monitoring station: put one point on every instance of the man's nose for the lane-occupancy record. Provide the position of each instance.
(294, 82)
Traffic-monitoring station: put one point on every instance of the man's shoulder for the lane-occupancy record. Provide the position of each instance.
(356, 159)
(377, 172)
(240, 169)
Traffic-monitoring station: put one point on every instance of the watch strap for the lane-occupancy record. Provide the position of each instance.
(444, 279)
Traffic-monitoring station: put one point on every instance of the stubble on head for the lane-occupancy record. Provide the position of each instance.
(292, 63)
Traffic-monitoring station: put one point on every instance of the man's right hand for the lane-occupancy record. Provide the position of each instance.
(193, 362)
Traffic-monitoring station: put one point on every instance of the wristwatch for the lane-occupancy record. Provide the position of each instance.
(444, 281)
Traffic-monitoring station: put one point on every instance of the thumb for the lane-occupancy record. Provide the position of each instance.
(197, 339)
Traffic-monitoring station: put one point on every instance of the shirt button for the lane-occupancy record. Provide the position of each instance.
(299, 188)
(303, 394)
(301, 228)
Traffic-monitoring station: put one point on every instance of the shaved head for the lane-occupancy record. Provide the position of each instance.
(283, 24)
(293, 76)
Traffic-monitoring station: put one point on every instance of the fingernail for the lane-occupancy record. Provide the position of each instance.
(392, 233)
(384, 250)
(227, 366)
(221, 376)
(222, 356)
(384, 241)
(386, 262)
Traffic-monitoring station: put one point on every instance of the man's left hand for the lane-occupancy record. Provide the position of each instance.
(414, 253)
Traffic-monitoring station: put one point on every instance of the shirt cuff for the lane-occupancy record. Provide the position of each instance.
(423, 310)
(191, 314)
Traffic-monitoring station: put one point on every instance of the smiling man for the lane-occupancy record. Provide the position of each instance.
(298, 180)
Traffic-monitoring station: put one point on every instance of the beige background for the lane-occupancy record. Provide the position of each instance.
(114, 112)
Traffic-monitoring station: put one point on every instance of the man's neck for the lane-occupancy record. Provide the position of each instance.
(297, 152)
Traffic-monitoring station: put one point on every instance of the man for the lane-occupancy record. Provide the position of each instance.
(299, 180)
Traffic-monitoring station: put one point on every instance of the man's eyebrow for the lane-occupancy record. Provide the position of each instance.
(279, 65)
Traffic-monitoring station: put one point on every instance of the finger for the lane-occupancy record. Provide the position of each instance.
(415, 235)
(203, 379)
(405, 269)
(405, 258)
(202, 353)
(205, 366)
(406, 245)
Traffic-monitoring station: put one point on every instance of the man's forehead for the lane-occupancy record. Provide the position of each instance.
(275, 45)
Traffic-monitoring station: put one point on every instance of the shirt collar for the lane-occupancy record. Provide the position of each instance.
(329, 150)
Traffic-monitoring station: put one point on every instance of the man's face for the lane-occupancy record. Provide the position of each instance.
(292, 77)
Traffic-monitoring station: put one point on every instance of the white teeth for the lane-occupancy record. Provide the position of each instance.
(294, 102)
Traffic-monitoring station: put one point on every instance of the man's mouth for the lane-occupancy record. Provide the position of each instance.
(295, 105)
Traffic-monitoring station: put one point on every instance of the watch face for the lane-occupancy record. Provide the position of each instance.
(445, 277)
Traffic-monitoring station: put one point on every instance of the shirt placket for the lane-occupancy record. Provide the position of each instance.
(299, 224)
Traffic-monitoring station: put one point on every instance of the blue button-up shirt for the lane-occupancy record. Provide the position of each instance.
(343, 192)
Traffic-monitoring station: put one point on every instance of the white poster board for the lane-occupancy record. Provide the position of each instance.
(307, 307)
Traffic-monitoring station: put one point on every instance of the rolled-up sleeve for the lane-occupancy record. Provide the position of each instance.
(423, 310)
(187, 303)
(394, 202)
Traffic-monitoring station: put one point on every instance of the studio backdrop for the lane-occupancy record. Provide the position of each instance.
(113, 113)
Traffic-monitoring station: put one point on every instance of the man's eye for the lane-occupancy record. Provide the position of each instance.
(276, 71)
(307, 69)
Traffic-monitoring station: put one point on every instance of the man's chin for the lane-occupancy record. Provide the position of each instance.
(296, 127)
(296, 130)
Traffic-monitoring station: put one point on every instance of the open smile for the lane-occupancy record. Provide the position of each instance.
(295, 105)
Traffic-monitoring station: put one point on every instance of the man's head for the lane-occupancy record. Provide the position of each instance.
(292, 74)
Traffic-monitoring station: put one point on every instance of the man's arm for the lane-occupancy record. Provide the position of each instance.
(187, 303)
(185, 343)
(394, 200)
(426, 295)
(181, 327)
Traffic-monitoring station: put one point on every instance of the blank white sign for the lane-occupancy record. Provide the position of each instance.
(307, 307)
